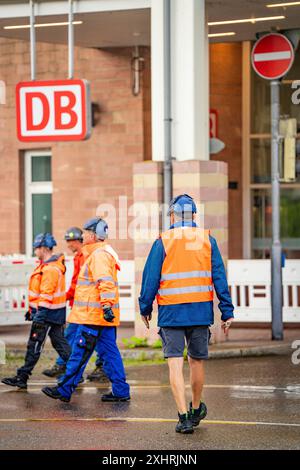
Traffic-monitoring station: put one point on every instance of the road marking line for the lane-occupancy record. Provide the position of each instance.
(85, 388)
(144, 420)
(253, 388)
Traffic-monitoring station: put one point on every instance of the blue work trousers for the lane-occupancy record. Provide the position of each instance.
(87, 338)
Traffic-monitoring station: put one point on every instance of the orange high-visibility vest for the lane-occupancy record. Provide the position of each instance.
(186, 271)
(47, 285)
(97, 285)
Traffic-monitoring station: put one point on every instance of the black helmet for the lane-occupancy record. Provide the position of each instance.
(73, 233)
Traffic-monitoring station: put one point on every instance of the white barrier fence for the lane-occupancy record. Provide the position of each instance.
(14, 276)
(249, 282)
(250, 286)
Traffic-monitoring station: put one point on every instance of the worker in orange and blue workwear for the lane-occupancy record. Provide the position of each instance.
(74, 240)
(182, 269)
(47, 308)
(96, 312)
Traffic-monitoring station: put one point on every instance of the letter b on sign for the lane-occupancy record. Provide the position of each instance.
(53, 110)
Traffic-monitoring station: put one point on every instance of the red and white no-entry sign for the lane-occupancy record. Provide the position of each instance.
(272, 56)
(53, 110)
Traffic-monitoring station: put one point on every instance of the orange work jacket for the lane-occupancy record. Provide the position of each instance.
(47, 284)
(97, 286)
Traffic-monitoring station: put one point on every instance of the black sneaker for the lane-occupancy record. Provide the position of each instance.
(113, 398)
(16, 381)
(97, 375)
(53, 392)
(55, 371)
(184, 425)
(197, 414)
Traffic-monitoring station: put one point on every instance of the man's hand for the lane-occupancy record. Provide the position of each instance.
(226, 325)
(28, 316)
(146, 319)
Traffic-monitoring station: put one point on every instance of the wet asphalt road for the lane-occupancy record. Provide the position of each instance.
(253, 403)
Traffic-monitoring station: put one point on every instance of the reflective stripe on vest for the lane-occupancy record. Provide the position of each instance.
(83, 282)
(107, 295)
(185, 290)
(80, 303)
(186, 275)
(52, 306)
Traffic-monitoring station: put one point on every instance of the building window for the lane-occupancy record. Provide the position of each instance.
(260, 170)
(38, 195)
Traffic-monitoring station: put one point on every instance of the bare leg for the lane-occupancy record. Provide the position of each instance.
(177, 382)
(196, 380)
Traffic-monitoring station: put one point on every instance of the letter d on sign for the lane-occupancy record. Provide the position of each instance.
(29, 111)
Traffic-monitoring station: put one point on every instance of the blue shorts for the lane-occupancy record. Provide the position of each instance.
(196, 339)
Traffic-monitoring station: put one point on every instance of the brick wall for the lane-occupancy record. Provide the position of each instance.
(226, 97)
(99, 170)
(84, 174)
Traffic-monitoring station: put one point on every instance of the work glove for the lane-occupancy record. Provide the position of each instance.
(28, 316)
(108, 314)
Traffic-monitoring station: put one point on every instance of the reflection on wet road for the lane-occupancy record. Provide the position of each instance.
(252, 403)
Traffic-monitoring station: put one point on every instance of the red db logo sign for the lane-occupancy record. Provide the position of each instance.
(53, 110)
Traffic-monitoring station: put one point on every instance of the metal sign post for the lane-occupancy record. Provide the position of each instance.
(276, 262)
(167, 167)
(71, 40)
(53, 110)
(32, 41)
(272, 57)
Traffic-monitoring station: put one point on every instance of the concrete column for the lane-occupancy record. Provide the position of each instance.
(190, 80)
(207, 183)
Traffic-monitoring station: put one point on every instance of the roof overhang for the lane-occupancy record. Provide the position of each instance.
(119, 23)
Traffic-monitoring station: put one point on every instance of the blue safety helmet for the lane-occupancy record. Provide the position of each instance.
(73, 233)
(98, 226)
(182, 204)
(44, 239)
(91, 224)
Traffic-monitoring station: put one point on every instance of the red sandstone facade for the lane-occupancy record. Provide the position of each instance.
(99, 170)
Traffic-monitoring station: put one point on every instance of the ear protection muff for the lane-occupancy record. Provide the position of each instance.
(102, 230)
